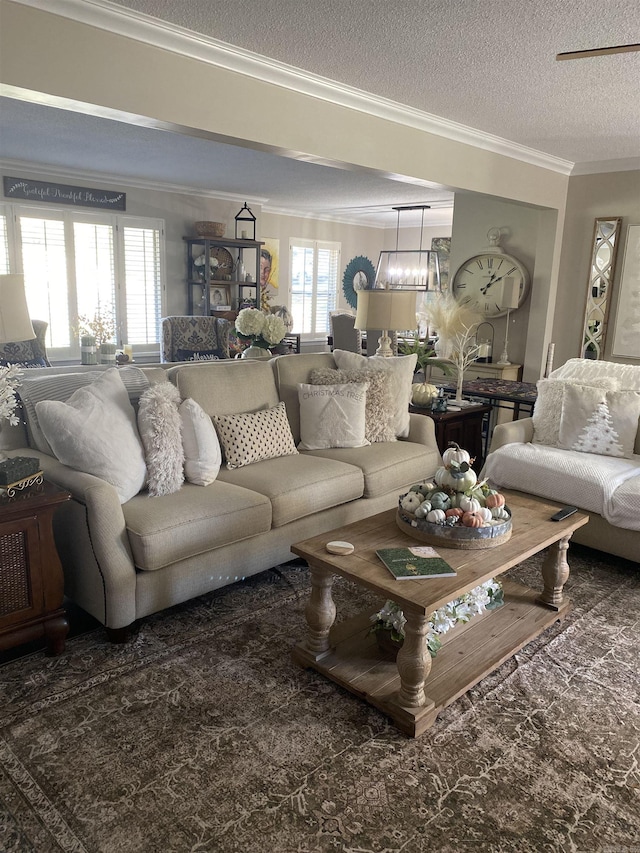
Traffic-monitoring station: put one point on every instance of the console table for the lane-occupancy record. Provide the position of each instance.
(501, 394)
(31, 582)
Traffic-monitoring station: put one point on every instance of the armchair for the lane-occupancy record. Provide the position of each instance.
(31, 353)
(194, 338)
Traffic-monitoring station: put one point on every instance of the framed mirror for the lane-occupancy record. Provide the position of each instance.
(602, 267)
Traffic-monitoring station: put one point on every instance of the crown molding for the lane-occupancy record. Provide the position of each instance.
(373, 217)
(105, 15)
(599, 167)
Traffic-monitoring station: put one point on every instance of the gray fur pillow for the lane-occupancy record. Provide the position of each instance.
(159, 425)
(379, 407)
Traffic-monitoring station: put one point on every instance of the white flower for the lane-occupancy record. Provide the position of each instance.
(441, 622)
(250, 322)
(9, 381)
(274, 329)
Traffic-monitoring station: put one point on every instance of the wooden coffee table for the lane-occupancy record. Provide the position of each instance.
(411, 689)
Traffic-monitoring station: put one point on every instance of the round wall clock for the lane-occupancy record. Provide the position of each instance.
(481, 278)
(358, 275)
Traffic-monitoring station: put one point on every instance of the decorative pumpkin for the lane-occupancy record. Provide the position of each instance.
(436, 515)
(469, 504)
(422, 510)
(440, 500)
(415, 488)
(427, 488)
(411, 501)
(494, 500)
(422, 393)
(500, 512)
(471, 519)
(455, 453)
(441, 475)
(461, 481)
(485, 514)
(454, 512)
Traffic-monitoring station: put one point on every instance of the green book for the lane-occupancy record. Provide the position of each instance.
(418, 562)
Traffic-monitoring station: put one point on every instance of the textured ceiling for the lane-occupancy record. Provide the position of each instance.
(486, 64)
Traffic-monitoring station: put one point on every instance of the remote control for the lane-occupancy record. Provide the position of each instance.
(564, 513)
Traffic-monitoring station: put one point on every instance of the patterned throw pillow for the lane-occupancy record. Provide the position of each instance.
(332, 415)
(548, 405)
(379, 405)
(254, 436)
(594, 420)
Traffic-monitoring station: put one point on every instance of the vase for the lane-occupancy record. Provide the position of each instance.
(443, 347)
(256, 352)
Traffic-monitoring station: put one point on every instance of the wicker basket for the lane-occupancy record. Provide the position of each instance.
(440, 535)
(210, 229)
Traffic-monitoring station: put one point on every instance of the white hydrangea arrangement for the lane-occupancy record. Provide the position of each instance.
(9, 381)
(487, 596)
(259, 329)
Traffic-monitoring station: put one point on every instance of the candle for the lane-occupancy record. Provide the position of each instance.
(128, 351)
(244, 235)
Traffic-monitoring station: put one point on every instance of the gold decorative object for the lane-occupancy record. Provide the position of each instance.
(210, 229)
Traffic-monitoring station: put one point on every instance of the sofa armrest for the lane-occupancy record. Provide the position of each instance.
(422, 430)
(509, 433)
(92, 539)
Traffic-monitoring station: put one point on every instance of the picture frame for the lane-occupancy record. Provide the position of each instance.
(220, 297)
(627, 321)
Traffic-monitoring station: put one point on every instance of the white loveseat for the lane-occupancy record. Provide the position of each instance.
(536, 456)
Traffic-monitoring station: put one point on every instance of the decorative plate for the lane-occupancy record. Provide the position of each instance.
(359, 275)
(225, 262)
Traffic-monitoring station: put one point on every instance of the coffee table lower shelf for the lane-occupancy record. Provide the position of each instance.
(356, 662)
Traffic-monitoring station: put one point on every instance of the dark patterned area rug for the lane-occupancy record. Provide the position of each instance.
(200, 735)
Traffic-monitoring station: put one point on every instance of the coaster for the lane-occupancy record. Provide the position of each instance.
(338, 547)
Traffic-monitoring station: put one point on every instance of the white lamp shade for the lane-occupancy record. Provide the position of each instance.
(510, 293)
(15, 324)
(390, 310)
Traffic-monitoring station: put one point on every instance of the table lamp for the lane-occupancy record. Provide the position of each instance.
(389, 310)
(510, 300)
(15, 324)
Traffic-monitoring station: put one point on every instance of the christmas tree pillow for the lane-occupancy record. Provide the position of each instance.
(594, 420)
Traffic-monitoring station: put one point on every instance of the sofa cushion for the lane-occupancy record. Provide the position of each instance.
(401, 368)
(585, 480)
(386, 466)
(228, 387)
(95, 431)
(252, 436)
(332, 415)
(192, 521)
(300, 485)
(289, 372)
(379, 405)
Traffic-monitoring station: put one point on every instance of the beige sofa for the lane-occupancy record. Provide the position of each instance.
(123, 562)
(525, 455)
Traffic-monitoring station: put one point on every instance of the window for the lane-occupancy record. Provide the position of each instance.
(78, 263)
(314, 268)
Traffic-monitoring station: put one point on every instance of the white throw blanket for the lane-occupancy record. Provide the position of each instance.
(569, 477)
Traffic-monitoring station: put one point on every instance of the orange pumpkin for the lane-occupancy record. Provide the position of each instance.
(471, 519)
(454, 512)
(494, 500)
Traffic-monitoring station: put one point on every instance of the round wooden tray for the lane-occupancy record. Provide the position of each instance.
(439, 535)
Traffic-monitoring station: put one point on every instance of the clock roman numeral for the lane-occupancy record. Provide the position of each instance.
(490, 263)
(460, 286)
(466, 269)
(513, 269)
(479, 262)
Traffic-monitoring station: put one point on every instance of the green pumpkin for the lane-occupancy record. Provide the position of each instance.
(440, 500)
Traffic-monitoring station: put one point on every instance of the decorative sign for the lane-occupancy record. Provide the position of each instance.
(63, 194)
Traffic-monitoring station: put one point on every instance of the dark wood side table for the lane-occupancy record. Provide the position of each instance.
(31, 582)
(464, 427)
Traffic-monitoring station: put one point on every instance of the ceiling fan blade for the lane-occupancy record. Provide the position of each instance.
(598, 51)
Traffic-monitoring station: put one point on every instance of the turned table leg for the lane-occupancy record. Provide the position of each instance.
(320, 612)
(555, 573)
(414, 661)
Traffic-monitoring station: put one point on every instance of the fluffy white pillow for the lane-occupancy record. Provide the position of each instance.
(332, 415)
(202, 454)
(598, 421)
(402, 368)
(95, 432)
(548, 405)
(160, 431)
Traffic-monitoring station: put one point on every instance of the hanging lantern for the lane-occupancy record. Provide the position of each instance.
(245, 224)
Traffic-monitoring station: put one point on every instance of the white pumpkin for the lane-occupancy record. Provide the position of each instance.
(485, 514)
(441, 476)
(455, 454)
(422, 393)
(436, 515)
(500, 513)
(411, 501)
(469, 504)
